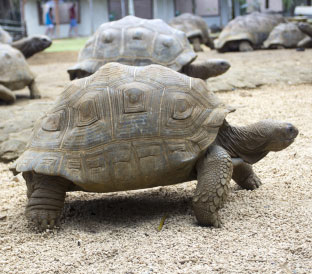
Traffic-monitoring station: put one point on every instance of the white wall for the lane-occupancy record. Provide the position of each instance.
(163, 9)
(100, 15)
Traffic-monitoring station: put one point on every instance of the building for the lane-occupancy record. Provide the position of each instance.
(92, 13)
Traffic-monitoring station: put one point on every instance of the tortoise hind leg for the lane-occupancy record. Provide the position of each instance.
(46, 196)
(34, 91)
(6, 95)
(214, 174)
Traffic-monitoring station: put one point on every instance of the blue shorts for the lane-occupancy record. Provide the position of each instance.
(73, 22)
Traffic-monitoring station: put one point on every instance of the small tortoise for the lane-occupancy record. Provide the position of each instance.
(14, 74)
(284, 35)
(248, 32)
(128, 127)
(140, 42)
(29, 45)
(195, 28)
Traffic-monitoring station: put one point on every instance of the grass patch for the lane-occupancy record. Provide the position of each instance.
(68, 44)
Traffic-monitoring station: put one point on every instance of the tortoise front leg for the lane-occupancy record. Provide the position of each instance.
(33, 90)
(46, 196)
(6, 95)
(244, 175)
(214, 173)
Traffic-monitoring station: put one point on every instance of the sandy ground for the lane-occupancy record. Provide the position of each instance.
(264, 231)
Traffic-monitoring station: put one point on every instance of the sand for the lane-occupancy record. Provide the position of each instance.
(267, 230)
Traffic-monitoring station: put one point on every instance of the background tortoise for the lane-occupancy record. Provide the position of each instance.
(248, 32)
(139, 42)
(285, 35)
(306, 28)
(28, 45)
(196, 30)
(14, 74)
(129, 127)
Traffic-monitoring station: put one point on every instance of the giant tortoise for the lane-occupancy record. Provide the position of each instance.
(195, 28)
(247, 32)
(15, 74)
(128, 127)
(140, 42)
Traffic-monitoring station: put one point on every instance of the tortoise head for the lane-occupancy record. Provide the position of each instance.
(255, 141)
(41, 42)
(277, 135)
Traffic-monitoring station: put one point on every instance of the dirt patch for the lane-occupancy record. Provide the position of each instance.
(45, 58)
(264, 231)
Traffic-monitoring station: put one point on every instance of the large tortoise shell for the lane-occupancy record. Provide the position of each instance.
(14, 70)
(126, 125)
(254, 27)
(137, 42)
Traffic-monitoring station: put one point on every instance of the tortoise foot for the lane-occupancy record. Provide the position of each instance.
(252, 182)
(43, 218)
(212, 219)
(35, 96)
(46, 196)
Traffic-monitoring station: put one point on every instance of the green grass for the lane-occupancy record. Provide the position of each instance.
(68, 44)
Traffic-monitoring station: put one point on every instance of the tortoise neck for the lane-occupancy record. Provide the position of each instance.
(242, 142)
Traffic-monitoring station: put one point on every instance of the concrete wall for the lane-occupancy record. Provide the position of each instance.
(87, 22)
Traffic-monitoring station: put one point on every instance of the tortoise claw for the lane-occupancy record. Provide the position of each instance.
(252, 182)
(43, 219)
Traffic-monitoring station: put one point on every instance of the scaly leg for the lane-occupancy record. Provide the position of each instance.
(214, 173)
(46, 196)
(33, 89)
(244, 175)
(6, 95)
